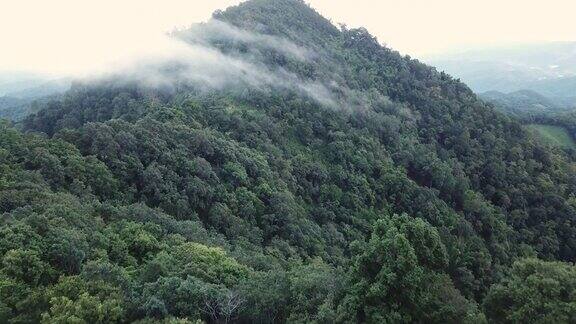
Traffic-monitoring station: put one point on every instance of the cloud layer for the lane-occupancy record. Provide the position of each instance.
(193, 57)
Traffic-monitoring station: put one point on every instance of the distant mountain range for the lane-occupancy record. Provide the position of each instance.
(547, 69)
(522, 102)
(25, 85)
(18, 90)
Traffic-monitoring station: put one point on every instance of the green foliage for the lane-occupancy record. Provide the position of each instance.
(210, 264)
(535, 291)
(23, 265)
(179, 205)
(398, 276)
(72, 300)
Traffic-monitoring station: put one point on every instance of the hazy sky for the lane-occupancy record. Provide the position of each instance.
(71, 36)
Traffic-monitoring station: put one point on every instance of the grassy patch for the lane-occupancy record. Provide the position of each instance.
(553, 135)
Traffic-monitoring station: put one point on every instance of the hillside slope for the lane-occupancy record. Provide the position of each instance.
(524, 103)
(293, 172)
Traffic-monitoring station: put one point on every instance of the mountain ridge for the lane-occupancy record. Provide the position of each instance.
(403, 198)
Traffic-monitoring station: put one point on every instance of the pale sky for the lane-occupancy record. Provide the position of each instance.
(72, 36)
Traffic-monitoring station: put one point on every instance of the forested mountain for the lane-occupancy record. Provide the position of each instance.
(282, 170)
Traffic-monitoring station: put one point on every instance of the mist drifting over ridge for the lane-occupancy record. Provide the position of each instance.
(198, 57)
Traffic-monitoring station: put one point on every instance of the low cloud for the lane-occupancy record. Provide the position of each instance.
(216, 30)
(193, 57)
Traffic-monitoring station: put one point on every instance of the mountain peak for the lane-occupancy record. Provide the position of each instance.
(288, 18)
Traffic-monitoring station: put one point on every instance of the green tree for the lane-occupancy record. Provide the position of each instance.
(73, 300)
(535, 291)
(397, 277)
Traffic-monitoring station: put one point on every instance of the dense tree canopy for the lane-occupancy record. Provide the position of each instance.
(405, 200)
(534, 291)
